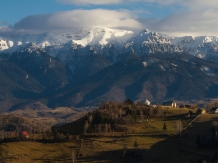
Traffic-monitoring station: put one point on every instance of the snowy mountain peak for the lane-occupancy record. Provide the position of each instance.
(82, 37)
(104, 36)
(109, 42)
(146, 30)
(30, 48)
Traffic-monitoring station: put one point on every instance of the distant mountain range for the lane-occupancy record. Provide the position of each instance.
(92, 65)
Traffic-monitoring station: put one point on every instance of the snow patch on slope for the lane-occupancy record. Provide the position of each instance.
(104, 36)
(208, 71)
(144, 64)
(82, 37)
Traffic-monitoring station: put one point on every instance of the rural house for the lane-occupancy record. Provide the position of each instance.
(214, 110)
(128, 102)
(147, 102)
(169, 103)
(200, 111)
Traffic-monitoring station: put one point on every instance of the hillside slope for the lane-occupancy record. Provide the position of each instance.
(181, 77)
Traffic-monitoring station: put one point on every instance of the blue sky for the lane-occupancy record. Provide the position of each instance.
(16, 10)
(174, 17)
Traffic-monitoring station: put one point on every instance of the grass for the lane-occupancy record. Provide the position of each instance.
(101, 149)
(155, 125)
(151, 149)
(36, 152)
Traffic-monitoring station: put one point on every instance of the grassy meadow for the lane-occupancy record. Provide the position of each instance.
(153, 145)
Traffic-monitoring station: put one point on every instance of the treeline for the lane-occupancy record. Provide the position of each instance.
(12, 127)
(115, 116)
(209, 139)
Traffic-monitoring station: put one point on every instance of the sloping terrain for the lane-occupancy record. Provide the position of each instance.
(81, 79)
(47, 70)
(154, 77)
(160, 148)
(13, 78)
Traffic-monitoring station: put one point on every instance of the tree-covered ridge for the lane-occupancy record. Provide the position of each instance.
(116, 116)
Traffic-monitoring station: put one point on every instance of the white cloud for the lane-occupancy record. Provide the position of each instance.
(90, 2)
(189, 17)
(190, 23)
(198, 18)
(190, 4)
(74, 19)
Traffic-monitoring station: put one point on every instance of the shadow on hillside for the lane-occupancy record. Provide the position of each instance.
(131, 156)
(182, 148)
(170, 149)
(173, 117)
(27, 95)
(174, 149)
(74, 128)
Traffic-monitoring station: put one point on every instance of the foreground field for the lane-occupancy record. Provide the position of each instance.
(101, 148)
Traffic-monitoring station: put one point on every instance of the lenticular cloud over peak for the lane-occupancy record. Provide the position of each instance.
(75, 19)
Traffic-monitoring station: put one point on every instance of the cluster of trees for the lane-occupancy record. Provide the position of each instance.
(210, 139)
(211, 104)
(114, 116)
(11, 128)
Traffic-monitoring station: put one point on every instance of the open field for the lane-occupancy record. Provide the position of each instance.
(159, 148)
(147, 126)
(102, 149)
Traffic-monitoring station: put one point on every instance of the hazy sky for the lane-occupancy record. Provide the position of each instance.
(173, 17)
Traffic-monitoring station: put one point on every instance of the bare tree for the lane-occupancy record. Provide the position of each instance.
(179, 126)
(109, 128)
(151, 111)
(210, 105)
(141, 114)
(98, 128)
(86, 125)
(106, 127)
(73, 157)
(90, 118)
(159, 111)
(120, 111)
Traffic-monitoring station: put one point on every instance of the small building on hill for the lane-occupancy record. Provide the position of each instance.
(25, 135)
(169, 103)
(200, 111)
(148, 103)
(128, 102)
(214, 110)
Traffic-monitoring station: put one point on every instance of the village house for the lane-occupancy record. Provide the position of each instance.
(128, 102)
(200, 111)
(169, 103)
(147, 103)
(214, 110)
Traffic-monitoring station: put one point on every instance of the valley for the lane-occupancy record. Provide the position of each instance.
(142, 139)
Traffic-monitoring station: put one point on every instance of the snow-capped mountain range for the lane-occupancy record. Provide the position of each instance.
(10, 42)
(109, 42)
(92, 65)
